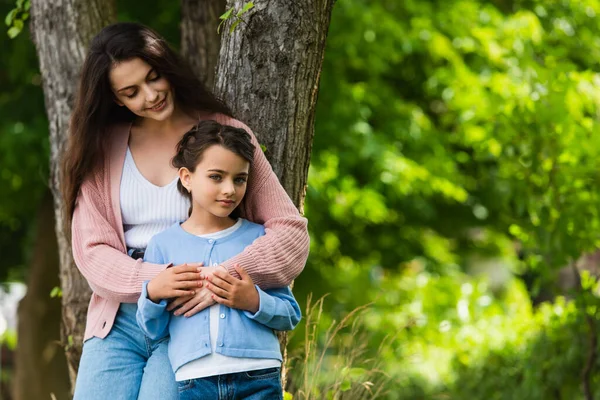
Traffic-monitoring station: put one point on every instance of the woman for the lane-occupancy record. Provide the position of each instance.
(136, 99)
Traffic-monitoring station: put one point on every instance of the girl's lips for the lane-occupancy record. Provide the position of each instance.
(227, 202)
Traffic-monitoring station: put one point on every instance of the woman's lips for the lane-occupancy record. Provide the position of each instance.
(160, 105)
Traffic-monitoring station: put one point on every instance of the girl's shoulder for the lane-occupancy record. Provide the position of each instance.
(252, 228)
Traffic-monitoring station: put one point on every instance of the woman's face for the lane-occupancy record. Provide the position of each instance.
(141, 89)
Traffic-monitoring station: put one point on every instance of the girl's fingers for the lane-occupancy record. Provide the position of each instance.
(221, 300)
(178, 293)
(224, 275)
(188, 276)
(187, 284)
(218, 291)
(183, 268)
(220, 283)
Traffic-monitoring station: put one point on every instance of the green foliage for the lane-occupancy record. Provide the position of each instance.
(454, 137)
(15, 19)
(23, 148)
(228, 15)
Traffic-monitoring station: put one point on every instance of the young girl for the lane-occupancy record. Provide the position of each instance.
(136, 100)
(230, 348)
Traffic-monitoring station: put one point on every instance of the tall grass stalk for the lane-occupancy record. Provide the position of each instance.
(334, 364)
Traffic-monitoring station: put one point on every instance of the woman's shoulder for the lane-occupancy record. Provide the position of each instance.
(224, 119)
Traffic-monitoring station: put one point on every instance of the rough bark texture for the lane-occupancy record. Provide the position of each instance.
(39, 357)
(200, 42)
(62, 30)
(268, 72)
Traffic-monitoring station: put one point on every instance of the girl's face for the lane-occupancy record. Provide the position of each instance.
(218, 184)
(140, 88)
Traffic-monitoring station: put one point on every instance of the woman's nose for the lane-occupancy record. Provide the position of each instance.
(151, 94)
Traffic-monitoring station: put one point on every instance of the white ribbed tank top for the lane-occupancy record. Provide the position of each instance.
(148, 209)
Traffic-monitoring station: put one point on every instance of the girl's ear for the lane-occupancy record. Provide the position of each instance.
(119, 102)
(185, 176)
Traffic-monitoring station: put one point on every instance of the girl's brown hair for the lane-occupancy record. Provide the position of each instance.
(95, 109)
(207, 134)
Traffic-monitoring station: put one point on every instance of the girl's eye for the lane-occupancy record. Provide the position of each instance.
(215, 177)
(155, 77)
(240, 180)
(132, 95)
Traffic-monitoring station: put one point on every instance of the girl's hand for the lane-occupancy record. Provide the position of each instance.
(193, 304)
(174, 282)
(234, 292)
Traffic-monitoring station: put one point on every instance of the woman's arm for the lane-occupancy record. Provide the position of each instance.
(98, 249)
(276, 259)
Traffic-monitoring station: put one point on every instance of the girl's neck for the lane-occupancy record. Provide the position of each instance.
(203, 223)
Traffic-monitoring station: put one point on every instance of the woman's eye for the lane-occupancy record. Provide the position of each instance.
(215, 177)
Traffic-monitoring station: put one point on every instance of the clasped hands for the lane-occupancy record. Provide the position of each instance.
(194, 288)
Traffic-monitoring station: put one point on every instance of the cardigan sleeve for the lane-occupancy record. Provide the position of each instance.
(98, 250)
(277, 258)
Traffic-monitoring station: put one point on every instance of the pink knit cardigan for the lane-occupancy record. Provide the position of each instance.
(98, 239)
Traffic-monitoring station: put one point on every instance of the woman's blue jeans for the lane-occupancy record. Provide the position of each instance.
(125, 365)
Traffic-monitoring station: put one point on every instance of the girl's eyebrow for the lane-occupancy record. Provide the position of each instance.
(225, 172)
(132, 86)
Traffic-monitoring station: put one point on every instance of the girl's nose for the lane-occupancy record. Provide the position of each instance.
(228, 188)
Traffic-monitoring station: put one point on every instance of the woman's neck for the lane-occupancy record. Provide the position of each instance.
(179, 121)
(203, 223)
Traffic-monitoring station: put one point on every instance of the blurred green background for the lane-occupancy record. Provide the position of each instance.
(453, 186)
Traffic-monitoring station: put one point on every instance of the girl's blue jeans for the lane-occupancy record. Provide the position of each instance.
(125, 365)
(262, 384)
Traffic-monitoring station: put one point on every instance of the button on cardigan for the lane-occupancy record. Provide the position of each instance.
(98, 239)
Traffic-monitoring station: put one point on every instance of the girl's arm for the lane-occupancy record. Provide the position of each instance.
(276, 259)
(278, 309)
(152, 318)
(98, 249)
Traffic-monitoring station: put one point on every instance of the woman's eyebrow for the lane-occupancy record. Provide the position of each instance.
(132, 86)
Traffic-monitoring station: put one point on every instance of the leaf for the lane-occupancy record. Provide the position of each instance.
(27, 5)
(13, 32)
(56, 292)
(287, 396)
(247, 7)
(20, 3)
(10, 16)
(346, 385)
(236, 23)
(227, 14)
(263, 148)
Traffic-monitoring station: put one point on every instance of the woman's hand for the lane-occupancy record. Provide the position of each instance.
(192, 304)
(181, 280)
(233, 292)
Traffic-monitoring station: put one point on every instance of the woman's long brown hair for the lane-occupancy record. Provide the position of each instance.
(95, 109)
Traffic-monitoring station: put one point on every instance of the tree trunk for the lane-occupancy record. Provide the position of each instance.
(200, 42)
(61, 31)
(39, 357)
(268, 72)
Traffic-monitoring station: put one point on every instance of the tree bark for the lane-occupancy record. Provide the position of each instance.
(268, 72)
(61, 31)
(39, 357)
(200, 42)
